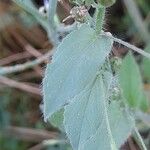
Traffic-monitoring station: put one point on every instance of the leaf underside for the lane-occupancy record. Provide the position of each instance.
(74, 83)
(75, 62)
(85, 120)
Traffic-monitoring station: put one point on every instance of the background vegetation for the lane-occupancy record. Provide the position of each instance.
(22, 39)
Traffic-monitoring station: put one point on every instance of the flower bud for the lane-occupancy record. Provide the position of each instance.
(106, 3)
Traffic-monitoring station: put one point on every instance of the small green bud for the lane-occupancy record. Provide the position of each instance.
(106, 3)
(78, 2)
(116, 63)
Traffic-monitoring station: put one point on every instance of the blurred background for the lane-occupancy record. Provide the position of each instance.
(23, 39)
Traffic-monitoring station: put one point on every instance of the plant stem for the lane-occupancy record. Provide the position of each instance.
(132, 47)
(139, 139)
(27, 65)
(49, 25)
(20, 85)
(33, 12)
(22, 67)
(100, 15)
(51, 13)
(52, 28)
(112, 142)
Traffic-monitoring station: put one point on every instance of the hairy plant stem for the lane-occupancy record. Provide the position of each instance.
(100, 15)
(112, 142)
(128, 45)
(51, 12)
(136, 135)
(139, 139)
(52, 26)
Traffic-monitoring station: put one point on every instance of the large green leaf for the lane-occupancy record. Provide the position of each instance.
(131, 83)
(86, 121)
(74, 64)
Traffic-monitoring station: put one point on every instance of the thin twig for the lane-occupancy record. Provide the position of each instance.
(137, 19)
(45, 143)
(65, 5)
(130, 46)
(32, 50)
(20, 85)
(54, 142)
(28, 134)
(22, 67)
(27, 65)
(23, 42)
(15, 57)
(35, 53)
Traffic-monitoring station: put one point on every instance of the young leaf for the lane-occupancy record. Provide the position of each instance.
(75, 63)
(107, 3)
(131, 83)
(57, 119)
(81, 2)
(86, 124)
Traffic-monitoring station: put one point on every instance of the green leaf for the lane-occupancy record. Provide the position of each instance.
(89, 2)
(146, 66)
(131, 83)
(86, 120)
(107, 3)
(57, 119)
(74, 64)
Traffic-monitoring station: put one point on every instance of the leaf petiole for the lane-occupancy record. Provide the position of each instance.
(100, 15)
